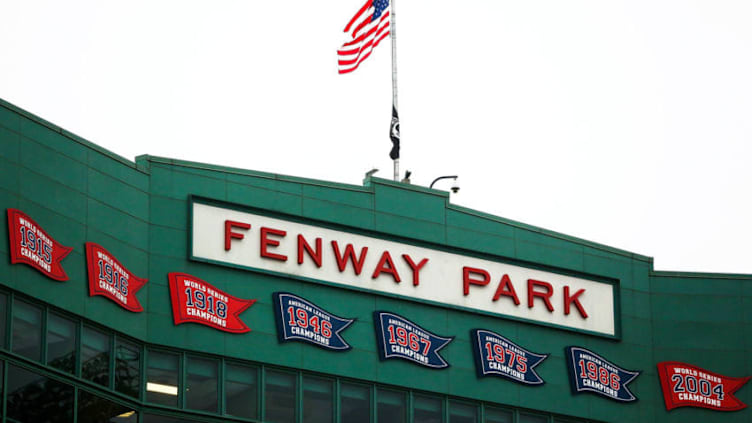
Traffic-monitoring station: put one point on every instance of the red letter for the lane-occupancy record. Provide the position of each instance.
(416, 269)
(273, 242)
(229, 234)
(546, 296)
(466, 281)
(573, 299)
(350, 255)
(386, 258)
(315, 255)
(507, 289)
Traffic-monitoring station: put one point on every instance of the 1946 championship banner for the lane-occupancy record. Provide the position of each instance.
(194, 300)
(110, 279)
(31, 245)
(685, 385)
(301, 320)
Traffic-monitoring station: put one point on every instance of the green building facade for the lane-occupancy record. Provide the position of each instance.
(67, 356)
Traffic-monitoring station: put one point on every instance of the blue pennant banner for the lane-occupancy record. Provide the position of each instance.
(400, 338)
(497, 355)
(301, 320)
(590, 372)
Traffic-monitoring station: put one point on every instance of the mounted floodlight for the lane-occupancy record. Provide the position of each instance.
(455, 188)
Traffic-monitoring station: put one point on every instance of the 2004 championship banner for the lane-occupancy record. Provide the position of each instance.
(496, 355)
(400, 338)
(590, 372)
(685, 385)
(31, 245)
(301, 320)
(110, 279)
(194, 300)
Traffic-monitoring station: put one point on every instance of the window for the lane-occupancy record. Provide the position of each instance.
(32, 397)
(27, 330)
(462, 413)
(3, 318)
(127, 368)
(318, 398)
(391, 406)
(93, 409)
(532, 418)
(201, 385)
(427, 410)
(241, 391)
(280, 397)
(162, 378)
(494, 415)
(355, 403)
(95, 356)
(61, 343)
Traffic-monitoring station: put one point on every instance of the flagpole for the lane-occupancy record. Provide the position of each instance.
(393, 34)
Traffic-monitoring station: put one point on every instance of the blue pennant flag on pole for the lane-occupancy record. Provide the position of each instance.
(497, 355)
(398, 337)
(300, 320)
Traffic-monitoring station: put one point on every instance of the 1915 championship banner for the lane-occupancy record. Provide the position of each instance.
(194, 300)
(590, 372)
(110, 279)
(497, 355)
(301, 320)
(685, 385)
(398, 337)
(31, 245)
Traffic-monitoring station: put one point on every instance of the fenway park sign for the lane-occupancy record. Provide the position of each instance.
(243, 239)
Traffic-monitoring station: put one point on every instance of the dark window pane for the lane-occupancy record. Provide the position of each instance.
(280, 397)
(317, 400)
(27, 330)
(241, 391)
(391, 408)
(462, 413)
(61, 343)
(355, 403)
(93, 409)
(498, 416)
(162, 378)
(95, 356)
(35, 398)
(427, 410)
(201, 386)
(127, 368)
(153, 418)
(3, 316)
(530, 418)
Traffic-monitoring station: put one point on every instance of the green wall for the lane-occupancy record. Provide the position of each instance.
(79, 192)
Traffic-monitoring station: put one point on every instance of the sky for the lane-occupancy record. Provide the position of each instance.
(627, 123)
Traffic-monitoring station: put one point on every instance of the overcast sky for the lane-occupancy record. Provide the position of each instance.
(627, 123)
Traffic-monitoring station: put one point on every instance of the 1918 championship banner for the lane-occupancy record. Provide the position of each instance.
(31, 245)
(301, 320)
(685, 385)
(497, 355)
(590, 372)
(398, 337)
(110, 279)
(194, 300)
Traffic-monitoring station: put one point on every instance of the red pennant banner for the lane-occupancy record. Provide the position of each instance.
(30, 244)
(194, 300)
(110, 279)
(685, 385)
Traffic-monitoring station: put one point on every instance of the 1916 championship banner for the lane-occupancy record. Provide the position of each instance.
(497, 355)
(110, 279)
(31, 245)
(590, 372)
(398, 337)
(194, 300)
(301, 320)
(685, 385)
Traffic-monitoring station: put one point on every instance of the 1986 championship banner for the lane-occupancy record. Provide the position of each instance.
(30, 244)
(300, 319)
(590, 372)
(194, 300)
(110, 279)
(398, 337)
(496, 355)
(685, 385)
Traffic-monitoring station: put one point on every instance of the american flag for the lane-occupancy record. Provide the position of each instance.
(369, 26)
